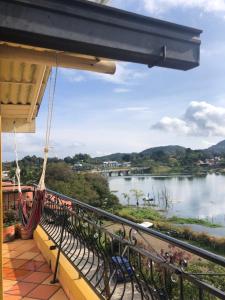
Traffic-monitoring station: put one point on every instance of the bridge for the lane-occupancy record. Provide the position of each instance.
(122, 171)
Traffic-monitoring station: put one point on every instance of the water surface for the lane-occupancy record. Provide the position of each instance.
(199, 197)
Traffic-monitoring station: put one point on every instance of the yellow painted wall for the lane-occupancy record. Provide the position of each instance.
(1, 216)
(73, 284)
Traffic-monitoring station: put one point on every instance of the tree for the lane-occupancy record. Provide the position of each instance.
(81, 158)
(68, 160)
(58, 171)
(86, 187)
(126, 197)
(137, 194)
(126, 157)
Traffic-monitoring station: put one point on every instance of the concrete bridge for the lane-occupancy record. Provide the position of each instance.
(122, 171)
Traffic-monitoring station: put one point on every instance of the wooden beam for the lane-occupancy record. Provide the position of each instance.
(36, 91)
(60, 59)
(21, 111)
(21, 125)
(16, 82)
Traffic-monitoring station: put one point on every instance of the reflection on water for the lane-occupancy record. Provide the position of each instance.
(200, 197)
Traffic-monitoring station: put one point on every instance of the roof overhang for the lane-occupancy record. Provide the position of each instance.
(36, 35)
(89, 28)
(24, 72)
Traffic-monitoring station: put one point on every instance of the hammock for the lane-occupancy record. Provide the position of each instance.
(31, 220)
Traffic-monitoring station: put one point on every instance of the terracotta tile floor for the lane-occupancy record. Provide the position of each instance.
(26, 274)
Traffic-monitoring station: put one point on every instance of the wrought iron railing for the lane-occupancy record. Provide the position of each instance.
(123, 260)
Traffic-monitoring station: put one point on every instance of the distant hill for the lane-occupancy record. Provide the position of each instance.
(217, 149)
(168, 150)
(113, 156)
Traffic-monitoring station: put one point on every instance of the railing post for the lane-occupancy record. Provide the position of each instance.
(55, 280)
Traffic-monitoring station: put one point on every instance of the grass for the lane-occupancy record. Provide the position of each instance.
(206, 223)
(138, 215)
(170, 226)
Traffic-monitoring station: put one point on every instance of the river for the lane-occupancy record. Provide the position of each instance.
(189, 196)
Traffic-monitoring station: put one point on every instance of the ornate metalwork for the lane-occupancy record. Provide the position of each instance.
(123, 260)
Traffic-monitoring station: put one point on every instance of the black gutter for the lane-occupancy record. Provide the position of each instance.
(102, 31)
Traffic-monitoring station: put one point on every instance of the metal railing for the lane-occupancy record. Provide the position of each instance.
(123, 260)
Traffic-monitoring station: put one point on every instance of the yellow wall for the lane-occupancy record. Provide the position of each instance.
(1, 215)
(73, 284)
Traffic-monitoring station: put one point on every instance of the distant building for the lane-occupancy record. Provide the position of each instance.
(78, 165)
(209, 161)
(111, 164)
(5, 175)
(126, 164)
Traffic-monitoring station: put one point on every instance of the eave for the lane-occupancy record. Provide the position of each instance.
(102, 31)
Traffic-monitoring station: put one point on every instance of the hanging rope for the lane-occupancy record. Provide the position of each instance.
(22, 206)
(41, 184)
(30, 222)
(17, 160)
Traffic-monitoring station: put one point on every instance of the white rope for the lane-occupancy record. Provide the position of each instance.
(17, 160)
(41, 184)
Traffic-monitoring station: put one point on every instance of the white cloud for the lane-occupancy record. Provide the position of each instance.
(200, 119)
(160, 6)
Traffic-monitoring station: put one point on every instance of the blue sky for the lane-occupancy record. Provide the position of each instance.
(138, 108)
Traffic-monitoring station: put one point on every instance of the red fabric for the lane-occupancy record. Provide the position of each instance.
(31, 222)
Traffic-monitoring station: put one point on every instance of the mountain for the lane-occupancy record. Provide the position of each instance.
(167, 150)
(217, 149)
(115, 156)
(170, 150)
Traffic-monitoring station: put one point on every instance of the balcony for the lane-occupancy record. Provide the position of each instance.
(97, 255)
(26, 273)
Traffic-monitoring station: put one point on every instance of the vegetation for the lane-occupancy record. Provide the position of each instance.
(200, 239)
(179, 220)
(89, 188)
(86, 187)
(137, 194)
(167, 226)
(147, 213)
(9, 218)
(94, 189)
(139, 215)
(156, 160)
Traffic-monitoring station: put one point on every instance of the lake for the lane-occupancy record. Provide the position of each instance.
(189, 196)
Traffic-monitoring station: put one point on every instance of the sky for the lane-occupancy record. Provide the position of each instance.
(138, 108)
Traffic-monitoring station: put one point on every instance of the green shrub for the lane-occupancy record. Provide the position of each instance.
(9, 218)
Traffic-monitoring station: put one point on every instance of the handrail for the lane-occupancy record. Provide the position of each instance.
(185, 246)
(119, 259)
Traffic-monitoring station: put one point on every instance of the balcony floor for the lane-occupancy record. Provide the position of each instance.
(26, 274)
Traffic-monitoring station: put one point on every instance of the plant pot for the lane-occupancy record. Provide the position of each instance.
(18, 231)
(8, 233)
(25, 234)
